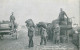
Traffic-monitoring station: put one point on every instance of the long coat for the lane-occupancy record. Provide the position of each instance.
(30, 31)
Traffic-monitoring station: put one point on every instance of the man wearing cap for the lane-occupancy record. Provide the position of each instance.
(61, 15)
(12, 20)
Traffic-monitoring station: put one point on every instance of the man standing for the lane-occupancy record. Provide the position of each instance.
(31, 30)
(30, 35)
(57, 33)
(61, 15)
(12, 20)
(43, 34)
(62, 21)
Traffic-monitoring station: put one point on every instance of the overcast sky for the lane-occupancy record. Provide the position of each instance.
(38, 10)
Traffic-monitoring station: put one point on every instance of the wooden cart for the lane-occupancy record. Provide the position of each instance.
(7, 28)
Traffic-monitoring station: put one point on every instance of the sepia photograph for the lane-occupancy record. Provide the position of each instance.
(39, 24)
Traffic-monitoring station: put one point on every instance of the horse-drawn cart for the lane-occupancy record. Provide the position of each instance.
(6, 28)
(65, 29)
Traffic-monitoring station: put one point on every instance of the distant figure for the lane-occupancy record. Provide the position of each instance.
(43, 34)
(61, 15)
(30, 35)
(12, 20)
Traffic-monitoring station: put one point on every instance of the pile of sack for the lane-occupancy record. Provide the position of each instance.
(29, 23)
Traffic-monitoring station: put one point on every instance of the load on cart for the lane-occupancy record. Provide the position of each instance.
(8, 27)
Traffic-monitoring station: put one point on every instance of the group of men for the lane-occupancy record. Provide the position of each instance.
(43, 32)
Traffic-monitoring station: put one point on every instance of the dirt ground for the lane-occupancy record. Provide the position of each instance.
(10, 43)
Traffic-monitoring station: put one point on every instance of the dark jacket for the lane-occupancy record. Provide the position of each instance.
(30, 32)
(12, 18)
(61, 15)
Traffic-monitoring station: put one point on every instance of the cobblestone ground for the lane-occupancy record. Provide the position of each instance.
(10, 43)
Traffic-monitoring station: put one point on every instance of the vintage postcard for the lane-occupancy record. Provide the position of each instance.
(39, 24)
